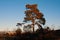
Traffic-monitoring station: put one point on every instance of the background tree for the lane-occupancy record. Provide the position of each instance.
(27, 28)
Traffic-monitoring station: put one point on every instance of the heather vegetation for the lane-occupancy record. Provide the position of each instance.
(39, 34)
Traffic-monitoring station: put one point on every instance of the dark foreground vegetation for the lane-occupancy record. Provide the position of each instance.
(42, 34)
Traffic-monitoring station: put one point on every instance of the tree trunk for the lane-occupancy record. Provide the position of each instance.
(33, 24)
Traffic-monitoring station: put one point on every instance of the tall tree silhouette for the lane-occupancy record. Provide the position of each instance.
(32, 14)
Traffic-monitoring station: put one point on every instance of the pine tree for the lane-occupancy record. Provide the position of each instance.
(32, 14)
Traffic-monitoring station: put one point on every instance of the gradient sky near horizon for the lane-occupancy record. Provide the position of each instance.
(12, 12)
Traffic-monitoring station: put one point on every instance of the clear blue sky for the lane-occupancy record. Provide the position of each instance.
(12, 11)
